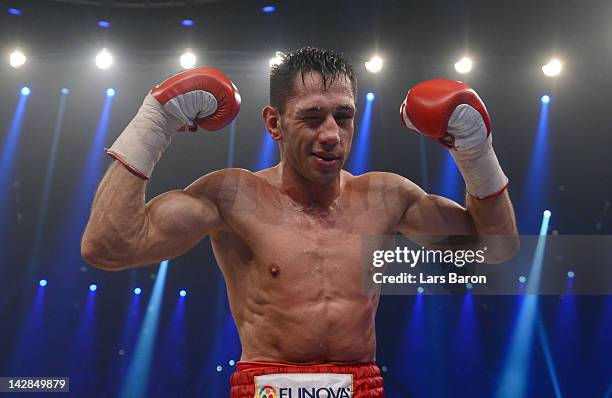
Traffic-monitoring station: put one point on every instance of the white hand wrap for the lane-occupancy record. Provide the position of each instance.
(147, 136)
(474, 153)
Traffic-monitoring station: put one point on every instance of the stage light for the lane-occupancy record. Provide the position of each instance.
(187, 22)
(268, 9)
(277, 60)
(93, 287)
(104, 59)
(370, 96)
(25, 90)
(188, 60)
(469, 286)
(110, 92)
(17, 59)
(219, 368)
(183, 293)
(374, 65)
(522, 279)
(571, 274)
(65, 91)
(15, 11)
(137, 291)
(545, 99)
(231, 362)
(464, 65)
(547, 213)
(42, 282)
(420, 290)
(552, 68)
(103, 24)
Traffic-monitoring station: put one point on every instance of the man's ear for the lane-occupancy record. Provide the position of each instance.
(272, 122)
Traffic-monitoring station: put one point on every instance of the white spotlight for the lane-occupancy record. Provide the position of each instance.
(17, 59)
(277, 60)
(464, 65)
(552, 68)
(104, 59)
(374, 65)
(188, 60)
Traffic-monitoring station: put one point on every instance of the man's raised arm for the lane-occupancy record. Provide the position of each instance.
(123, 231)
(451, 113)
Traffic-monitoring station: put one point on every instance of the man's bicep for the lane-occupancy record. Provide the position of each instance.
(175, 222)
(434, 216)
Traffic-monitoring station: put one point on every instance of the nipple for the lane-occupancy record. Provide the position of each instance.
(274, 269)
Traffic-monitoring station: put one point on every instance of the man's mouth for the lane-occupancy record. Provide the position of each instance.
(326, 160)
(326, 156)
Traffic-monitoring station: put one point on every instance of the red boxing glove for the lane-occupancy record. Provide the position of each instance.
(202, 96)
(451, 113)
(428, 108)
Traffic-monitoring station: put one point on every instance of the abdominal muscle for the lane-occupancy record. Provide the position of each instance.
(327, 331)
(296, 299)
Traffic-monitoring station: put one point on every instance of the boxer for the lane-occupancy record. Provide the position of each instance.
(287, 238)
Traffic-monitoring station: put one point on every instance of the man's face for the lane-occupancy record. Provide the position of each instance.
(317, 127)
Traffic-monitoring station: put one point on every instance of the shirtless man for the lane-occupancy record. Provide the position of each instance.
(288, 238)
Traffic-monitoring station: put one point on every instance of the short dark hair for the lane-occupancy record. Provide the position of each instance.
(330, 64)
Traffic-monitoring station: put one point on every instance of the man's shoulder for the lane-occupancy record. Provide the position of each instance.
(383, 181)
(222, 180)
(227, 180)
(228, 175)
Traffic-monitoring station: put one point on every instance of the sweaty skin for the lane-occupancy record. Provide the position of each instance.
(288, 238)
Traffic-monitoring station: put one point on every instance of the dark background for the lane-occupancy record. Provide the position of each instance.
(509, 41)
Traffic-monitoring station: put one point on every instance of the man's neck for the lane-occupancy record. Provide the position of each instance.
(310, 194)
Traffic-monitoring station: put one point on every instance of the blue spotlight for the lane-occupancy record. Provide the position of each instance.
(571, 274)
(232, 362)
(268, 9)
(514, 378)
(547, 213)
(25, 90)
(536, 190)
(136, 381)
(65, 91)
(137, 291)
(110, 92)
(103, 24)
(370, 96)
(9, 150)
(93, 287)
(42, 282)
(219, 368)
(15, 11)
(550, 364)
(183, 293)
(545, 99)
(187, 22)
(522, 279)
(469, 286)
(267, 152)
(450, 179)
(358, 163)
(420, 290)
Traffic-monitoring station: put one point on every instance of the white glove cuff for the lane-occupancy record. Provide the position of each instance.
(484, 177)
(145, 138)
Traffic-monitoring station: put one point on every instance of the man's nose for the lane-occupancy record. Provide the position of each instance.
(330, 132)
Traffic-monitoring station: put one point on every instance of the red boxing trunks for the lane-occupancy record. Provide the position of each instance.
(278, 380)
